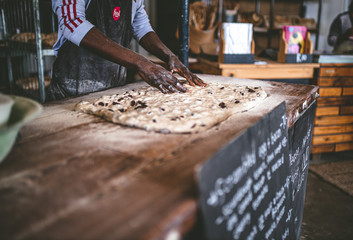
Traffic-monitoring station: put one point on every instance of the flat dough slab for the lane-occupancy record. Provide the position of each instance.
(199, 109)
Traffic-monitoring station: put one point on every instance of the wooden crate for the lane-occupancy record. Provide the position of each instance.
(305, 57)
(333, 127)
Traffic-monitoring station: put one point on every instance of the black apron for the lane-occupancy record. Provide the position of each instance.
(77, 71)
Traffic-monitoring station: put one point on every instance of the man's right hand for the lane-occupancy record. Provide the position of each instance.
(157, 76)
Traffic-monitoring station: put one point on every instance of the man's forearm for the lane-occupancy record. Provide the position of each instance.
(155, 46)
(157, 76)
(96, 42)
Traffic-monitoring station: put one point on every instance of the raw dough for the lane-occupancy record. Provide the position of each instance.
(198, 109)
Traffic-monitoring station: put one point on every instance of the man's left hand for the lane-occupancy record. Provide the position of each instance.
(175, 65)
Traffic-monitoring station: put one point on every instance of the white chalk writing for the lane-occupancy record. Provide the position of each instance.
(249, 203)
(293, 157)
(277, 164)
(284, 142)
(259, 170)
(241, 226)
(275, 136)
(224, 185)
(252, 234)
(277, 204)
(306, 156)
(280, 215)
(278, 149)
(262, 151)
(261, 222)
(285, 235)
(301, 58)
(243, 205)
(284, 122)
(260, 197)
(289, 216)
(268, 173)
(270, 230)
(306, 138)
(257, 186)
(270, 157)
(231, 222)
(228, 208)
(264, 216)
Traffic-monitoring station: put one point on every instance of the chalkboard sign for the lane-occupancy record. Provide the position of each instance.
(299, 142)
(245, 189)
(239, 58)
(299, 58)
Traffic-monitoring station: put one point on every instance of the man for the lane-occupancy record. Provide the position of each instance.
(92, 51)
(341, 32)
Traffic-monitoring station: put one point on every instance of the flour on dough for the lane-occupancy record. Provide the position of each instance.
(198, 109)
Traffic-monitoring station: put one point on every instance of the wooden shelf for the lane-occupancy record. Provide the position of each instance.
(272, 28)
(271, 70)
(333, 130)
(261, 30)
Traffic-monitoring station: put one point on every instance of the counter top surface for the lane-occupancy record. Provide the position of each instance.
(269, 64)
(75, 176)
(270, 70)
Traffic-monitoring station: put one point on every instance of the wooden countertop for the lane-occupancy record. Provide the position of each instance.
(271, 70)
(336, 64)
(75, 176)
(269, 63)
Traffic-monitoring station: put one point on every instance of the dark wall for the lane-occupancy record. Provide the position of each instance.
(167, 18)
(46, 17)
(167, 22)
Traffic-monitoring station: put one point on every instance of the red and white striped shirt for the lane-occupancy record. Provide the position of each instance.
(73, 25)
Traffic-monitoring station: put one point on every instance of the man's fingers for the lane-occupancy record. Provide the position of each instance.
(192, 79)
(173, 81)
(171, 85)
(198, 81)
(172, 89)
(180, 86)
(177, 85)
(162, 88)
(188, 78)
(164, 81)
(182, 72)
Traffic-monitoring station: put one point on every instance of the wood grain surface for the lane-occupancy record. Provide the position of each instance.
(271, 70)
(75, 176)
(336, 72)
(334, 101)
(346, 110)
(327, 111)
(316, 149)
(330, 92)
(334, 115)
(335, 81)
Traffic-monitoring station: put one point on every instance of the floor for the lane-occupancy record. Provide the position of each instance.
(328, 211)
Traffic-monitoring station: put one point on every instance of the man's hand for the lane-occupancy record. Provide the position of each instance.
(175, 65)
(349, 33)
(157, 76)
(153, 44)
